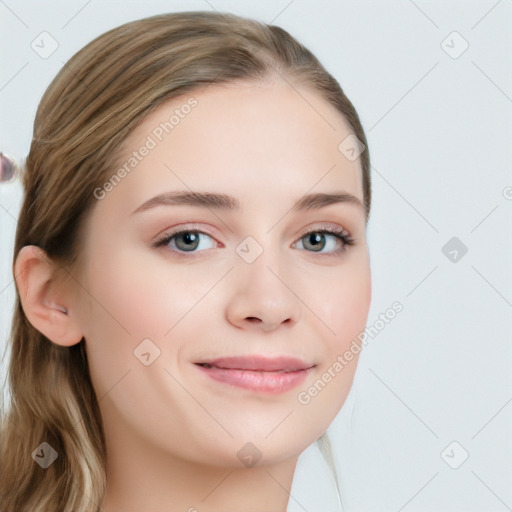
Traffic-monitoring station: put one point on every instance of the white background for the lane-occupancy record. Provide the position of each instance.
(439, 132)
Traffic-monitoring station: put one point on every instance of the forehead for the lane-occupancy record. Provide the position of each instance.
(274, 138)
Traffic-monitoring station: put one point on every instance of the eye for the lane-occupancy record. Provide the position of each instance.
(185, 240)
(334, 239)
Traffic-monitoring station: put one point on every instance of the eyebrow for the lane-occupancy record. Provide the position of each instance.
(225, 202)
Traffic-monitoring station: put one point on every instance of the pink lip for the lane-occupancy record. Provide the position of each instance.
(275, 375)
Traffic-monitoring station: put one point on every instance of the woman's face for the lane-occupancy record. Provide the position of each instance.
(244, 282)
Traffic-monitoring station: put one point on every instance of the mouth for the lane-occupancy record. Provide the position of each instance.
(256, 373)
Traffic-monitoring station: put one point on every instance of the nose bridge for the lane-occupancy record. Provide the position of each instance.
(260, 260)
(260, 290)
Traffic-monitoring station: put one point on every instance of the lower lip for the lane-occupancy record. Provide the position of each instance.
(262, 382)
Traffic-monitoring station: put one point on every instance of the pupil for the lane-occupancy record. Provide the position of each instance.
(189, 238)
(317, 239)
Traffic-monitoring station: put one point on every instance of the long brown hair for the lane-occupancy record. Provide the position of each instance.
(100, 95)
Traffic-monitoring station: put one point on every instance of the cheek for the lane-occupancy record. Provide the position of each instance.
(132, 299)
(345, 311)
(345, 305)
(140, 300)
(343, 308)
(122, 308)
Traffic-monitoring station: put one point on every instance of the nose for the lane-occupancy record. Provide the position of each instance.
(262, 296)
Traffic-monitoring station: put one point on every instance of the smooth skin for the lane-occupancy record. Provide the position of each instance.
(172, 433)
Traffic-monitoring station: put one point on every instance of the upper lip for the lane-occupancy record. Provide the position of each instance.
(259, 363)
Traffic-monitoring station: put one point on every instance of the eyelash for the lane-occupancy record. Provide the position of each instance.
(340, 234)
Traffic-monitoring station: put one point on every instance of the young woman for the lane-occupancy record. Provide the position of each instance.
(192, 272)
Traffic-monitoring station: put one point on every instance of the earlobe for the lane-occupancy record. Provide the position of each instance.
(46, 302)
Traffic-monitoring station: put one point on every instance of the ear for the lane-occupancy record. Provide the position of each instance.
(46, 300)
